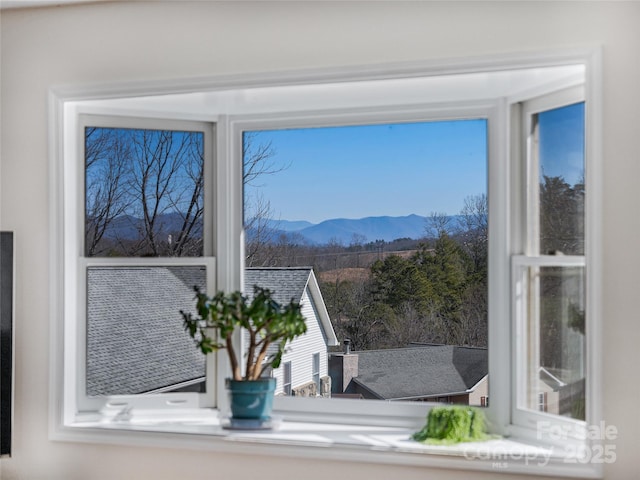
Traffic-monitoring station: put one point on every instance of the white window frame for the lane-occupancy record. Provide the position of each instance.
(527, 422)
(527, 417)
(504, 237)
(494, 112)
(78, 264)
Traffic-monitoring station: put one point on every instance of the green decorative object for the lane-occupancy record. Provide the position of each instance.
(453, 424)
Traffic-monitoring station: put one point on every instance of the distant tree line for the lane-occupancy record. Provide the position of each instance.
(438, 294)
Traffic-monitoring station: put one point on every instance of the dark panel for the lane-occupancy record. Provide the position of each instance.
(6, 343)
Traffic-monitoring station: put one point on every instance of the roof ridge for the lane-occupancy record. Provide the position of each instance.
(279, 268)
(408, 347)
(427, 344)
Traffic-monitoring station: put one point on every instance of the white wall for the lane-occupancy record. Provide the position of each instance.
(98, 43)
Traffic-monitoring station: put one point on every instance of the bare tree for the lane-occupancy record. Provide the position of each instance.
(355, 316)
(258, 228)
(475, 213)
(258, 159)
(357, 241)
(474, 317)
(409, 325)
(107, 158)
(145, 191)
(437, 224)
(165, 181)
(150, 182)
(264, 244)
(474, 230)
(189, 237)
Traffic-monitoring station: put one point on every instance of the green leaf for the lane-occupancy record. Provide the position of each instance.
(272, 322)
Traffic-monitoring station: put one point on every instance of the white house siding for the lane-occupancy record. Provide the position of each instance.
(481, 390)
(552, 398)
(300, 351)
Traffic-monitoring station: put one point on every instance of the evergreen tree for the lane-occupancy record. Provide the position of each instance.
(561, 217)
(398, 281)
(445, 268)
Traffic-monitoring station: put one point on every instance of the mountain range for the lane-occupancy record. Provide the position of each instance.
(345, 231)
(341, 230)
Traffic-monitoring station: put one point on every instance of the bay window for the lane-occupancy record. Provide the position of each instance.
(147, 201)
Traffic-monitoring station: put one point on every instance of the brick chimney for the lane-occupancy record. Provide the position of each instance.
(342, 368)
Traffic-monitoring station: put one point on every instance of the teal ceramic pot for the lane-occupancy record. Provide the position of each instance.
(251, 399)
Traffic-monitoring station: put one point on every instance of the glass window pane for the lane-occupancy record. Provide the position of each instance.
(316, 371)
(286, 383)
(561, 171)
(393, 218)
(556, 357)
(143, 192)
(136, 342)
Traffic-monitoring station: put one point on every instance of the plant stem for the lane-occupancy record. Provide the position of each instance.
(260, 359)
(251, 367)
(235, 368)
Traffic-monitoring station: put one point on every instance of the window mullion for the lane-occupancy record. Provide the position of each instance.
(533, 185)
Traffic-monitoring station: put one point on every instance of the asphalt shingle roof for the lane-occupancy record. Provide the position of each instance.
(421, 371)
(136, 342)
(284, 283)
(135, 337)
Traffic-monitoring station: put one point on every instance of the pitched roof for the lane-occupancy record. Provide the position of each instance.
(136, 342)
(421, 371)
(286, 284)
(290, 283)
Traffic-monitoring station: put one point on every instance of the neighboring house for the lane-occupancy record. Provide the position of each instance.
(304, 368)
(547, 394)
(560, 392)
(137, 343)
(438, 373)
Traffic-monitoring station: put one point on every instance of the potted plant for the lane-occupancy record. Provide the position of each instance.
(269, 326)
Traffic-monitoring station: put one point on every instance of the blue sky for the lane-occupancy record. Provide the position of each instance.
(356, 172)
(562, 143)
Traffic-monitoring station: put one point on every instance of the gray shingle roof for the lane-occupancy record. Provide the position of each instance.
(136, 342)
(135, 339)
(421, 371)
(285, 283)
(290, 283)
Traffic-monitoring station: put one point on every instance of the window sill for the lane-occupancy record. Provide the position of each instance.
(204, 430)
